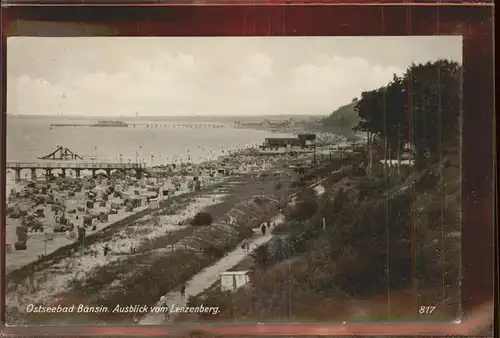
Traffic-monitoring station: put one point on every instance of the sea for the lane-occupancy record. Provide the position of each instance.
(30, 138)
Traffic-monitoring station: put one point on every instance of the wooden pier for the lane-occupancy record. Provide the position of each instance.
(150, 125)
(180, 125)
(63, 165)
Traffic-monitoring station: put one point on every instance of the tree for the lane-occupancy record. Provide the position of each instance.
(202, 218)
(305, 207)
(261, 254)
(422, 108)
(435, 104)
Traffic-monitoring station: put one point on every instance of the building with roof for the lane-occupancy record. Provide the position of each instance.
(283, 142)
(232, 280)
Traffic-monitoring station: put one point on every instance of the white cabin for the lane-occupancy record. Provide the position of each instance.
(232, 280)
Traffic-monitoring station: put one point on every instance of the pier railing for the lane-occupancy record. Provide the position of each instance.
(94, 165)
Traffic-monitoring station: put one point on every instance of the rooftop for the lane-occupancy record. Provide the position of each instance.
(230, 273)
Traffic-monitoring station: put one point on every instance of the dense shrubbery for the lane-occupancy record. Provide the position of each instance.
(202, 219)
(356, 230)
(261, 255)
(305, 206)
(364, 251)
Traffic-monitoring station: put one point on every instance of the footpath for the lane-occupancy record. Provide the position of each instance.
(207, 277)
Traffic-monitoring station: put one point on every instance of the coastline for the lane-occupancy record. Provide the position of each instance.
(144, 216)
(37, 243)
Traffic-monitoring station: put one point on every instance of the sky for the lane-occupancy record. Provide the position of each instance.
(211, 76)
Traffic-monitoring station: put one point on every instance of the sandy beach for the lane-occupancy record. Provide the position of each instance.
(127, 241)
(76, 268)
(50, 233)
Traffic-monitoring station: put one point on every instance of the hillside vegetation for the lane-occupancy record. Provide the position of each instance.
(342, 120)
(391, 243)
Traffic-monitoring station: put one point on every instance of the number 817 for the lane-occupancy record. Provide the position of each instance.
(426, 310)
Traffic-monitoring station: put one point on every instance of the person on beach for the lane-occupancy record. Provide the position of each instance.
(106, 250)
(183, 291)
(263, 229)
